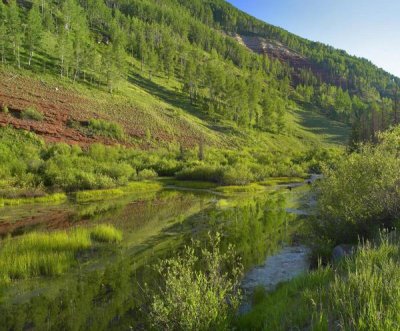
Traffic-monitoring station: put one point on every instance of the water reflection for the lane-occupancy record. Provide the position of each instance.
(107, 293)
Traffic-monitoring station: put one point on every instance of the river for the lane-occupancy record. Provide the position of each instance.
(106, 292)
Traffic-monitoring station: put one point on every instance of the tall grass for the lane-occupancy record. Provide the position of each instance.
(362, 293)
(95, 195)
(106, 233)
(49, 254)
(52, 198)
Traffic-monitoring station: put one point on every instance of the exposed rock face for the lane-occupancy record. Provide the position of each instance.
(341, 251)
(277, 50)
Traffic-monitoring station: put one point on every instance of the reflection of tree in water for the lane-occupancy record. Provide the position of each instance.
(110, 297)
(257, 226)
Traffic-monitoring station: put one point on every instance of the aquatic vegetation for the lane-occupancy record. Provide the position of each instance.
(250, 188)
(49, 254)
(51, 198)
(96, 195)
(106, 233)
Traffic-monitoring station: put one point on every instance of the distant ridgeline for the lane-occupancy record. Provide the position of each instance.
(207, 45)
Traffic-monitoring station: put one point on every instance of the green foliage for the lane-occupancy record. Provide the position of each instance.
(360, 194)
(105, 233)
(48, 254)
(32, 114)
(4, 109)
(96, 195)
(197, 293)
(51, 198)
(106, 129)
(147, 174)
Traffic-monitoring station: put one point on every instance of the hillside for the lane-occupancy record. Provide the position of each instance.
(183, 80)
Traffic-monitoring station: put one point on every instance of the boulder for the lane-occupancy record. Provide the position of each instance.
(341, 251)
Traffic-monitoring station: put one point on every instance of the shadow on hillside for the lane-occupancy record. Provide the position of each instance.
(174, 98)
(333, 131)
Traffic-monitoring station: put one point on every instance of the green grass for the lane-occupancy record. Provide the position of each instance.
(361, 293)
(250, 188)
(132, 187)
(281, 181)
(32, 114)
(142, 187)
(197, 185)
(106, 233)
(96, 195)
(52, 198)
(106, 129)
(49, 254)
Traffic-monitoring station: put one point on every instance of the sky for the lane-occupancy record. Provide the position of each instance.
(366, 28)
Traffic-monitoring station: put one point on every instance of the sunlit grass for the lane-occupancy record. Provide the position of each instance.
(106, 233)
(241, 189)
(95, 195)
(361, 293)
(49, 254)
(51, 198)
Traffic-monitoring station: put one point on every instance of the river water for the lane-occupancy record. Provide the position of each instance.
(106, 292)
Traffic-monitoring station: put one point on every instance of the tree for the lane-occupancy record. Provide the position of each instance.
(3, 31)
(33, 33)
(14, 30)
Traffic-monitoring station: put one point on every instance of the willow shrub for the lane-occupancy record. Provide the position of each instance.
(198, 291)
(361, 194)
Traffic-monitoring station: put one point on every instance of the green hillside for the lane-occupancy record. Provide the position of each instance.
(172, 92)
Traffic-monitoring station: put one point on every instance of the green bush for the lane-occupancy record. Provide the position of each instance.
(202, 173)
(146, 174)
(192, 297)
(360, 195)
(4, 109)
(106, 129)
(239, 174)
(32, 114)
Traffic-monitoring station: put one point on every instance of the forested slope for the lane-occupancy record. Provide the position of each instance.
(171, 74)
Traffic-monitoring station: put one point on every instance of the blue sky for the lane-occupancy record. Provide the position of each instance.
(366, 28)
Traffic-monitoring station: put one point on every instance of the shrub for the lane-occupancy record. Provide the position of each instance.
(147, 174)
(195, 298)
(106, 129)
(202, 173)
(4, 109)
(357, 197)
(32, 114)
(106, 233)
(239, 174)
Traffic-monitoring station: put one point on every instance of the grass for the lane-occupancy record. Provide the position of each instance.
(197, 185)
(106, 233)
(96, 195)
(132, 187)
(141, 187)
(106, 129)
(281, 181)
(32, 114)
(250, 188)
(52, 198)
(361, 293)
(49, 254)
